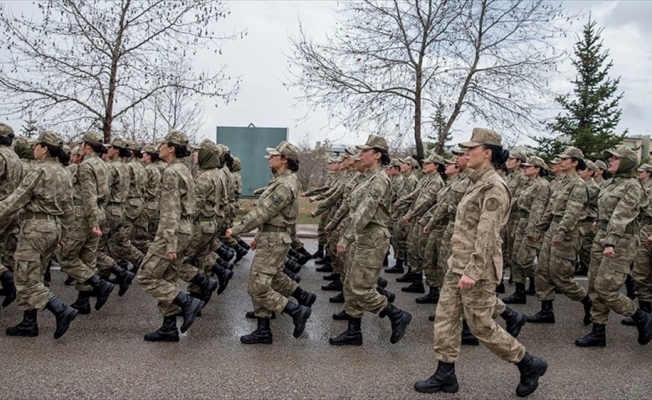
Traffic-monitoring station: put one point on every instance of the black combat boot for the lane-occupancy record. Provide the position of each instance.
(225, 264)
(400, 320)
(630, 287)
(443, 380)
(240, 252)
(223, 277)
(244, 245)
(225, 252)
(206, 285)
(26, 327)
(390, 296)
(531, 290)
(468, 338)
(262, 335)
(331, 277)
(335, 285)
(514, 321)
(47, 276)
(124, 278)
(69, 281)
(341, 316)
(587, 303)
(7, 279)
(300, 315)
(338, 298)
(431, 298)
(304, 298)
(63, 314)
(386, 260)
(307, 256)
(407, 277)
(545, 316)
(252, 315)
(324, 260)
(319, 253)
(596, 338)
(643, 305)
(190, 307)
(352, 336)
(397, 268)
(518, 297)
(325, 268)
(382, 282)
(292, 275)
(416, 286)
(643, 322)
(101, 288)
(82, 304)
(581, 269)
(298, 258)
(531, 369)
(168, 332)
(500, 288)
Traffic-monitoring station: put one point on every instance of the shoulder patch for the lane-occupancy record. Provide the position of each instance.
(492, 204)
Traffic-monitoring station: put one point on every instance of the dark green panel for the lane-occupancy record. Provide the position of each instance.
(249, 144)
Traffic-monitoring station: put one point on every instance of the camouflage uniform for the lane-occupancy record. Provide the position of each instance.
(133, 208)
(400, 230)
(322, 238)
(477, 254)
(642, 271)
(158, 274)
(517, 183)
(435, 274)
(45, 193)
(585, 226)
(11, 173)
(151, 200)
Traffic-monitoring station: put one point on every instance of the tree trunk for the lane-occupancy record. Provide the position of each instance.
(417, 116)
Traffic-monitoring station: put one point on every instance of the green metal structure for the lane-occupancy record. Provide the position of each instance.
(249, 144)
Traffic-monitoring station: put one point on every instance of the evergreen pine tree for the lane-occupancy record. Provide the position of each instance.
(439, 121)
(592, 113)
(30, 129)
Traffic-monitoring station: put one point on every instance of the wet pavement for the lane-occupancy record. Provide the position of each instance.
(103, 355)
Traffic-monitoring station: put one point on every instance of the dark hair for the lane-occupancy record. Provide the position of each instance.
(227, 160)
(543, 172)
(441, 168)
(123, 152)
(293, 165)
(503, 168)
(498, 155)
(384, 156)
(97, 148)
(57, 152)
(606, 174)
(137, 153)
(6, 140)
(153, 156)
(581, 165)
(179, 151)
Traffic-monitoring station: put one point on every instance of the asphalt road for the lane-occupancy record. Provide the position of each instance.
(103, 355)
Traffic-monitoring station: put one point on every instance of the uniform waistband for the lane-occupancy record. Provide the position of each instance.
(273, 228)
(629, 229)
(202, 218)
(524, 214)
(38, 215)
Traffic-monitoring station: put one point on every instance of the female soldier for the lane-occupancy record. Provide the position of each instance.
(159, 270)
(585, 226)
(475, 268)
(45, 193)
(614, 249)
(530, 207)
(367, 240)
(274, 213)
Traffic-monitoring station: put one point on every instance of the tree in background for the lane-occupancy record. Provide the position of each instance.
(30, 129)
(441, 136)
(591, 113)
(90, 63)
(312, 164)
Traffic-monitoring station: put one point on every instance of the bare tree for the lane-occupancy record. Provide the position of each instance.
(312, 165)
(390, 62)
(92, 62)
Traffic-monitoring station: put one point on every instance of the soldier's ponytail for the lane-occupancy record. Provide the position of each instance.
(498, 155)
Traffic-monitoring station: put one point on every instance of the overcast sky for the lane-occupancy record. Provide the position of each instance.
(260, 60)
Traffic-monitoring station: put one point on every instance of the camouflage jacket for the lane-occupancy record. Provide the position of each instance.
(207, 193)
(322, 189)
(370, 200)
(342, 190)
(92, 187)
(427, 220)
(618, 206)
(11, 171)
(410, 182)
(118, 181)
(592, 203)
(482, 212)
(646, 208)
(405, 202)
(447, 207)
(533, 201)
(177, 204)
(426, 197)
(344, 210)
(567, 206)
(276, 206)
(396, 184)
(152, 186)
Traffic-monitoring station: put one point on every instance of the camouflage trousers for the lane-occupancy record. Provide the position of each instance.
(266, 278)
(37, 242)
(296, 242)
(365, 262)
(114, 220)
(586, 236)
(322, 238)
(434, 276)
(158, 275)
(9, 230)
(508, 247)
(195, 258)
(140, 233)
(444, 252)
(607, 276)
(642, 271)
(556, 267)
(78, 257)
(399, 240)
(121, 246)
(336, 258)
(524, 254)
(417, 241)
(478, 306)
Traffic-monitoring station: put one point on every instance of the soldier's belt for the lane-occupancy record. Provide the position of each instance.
(557, 218)
(273, 228)
(38, 215)
(647, 220)
(524, 214)
(629, 229)
(202, 218)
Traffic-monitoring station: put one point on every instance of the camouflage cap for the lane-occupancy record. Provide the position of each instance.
(410, 161)
(50, 138)
(23, 147)
(374, 142)
(6, 131)
(237, 164)
(285, 149)
(395, 162)
(350, 152)
(75, 150)
(623, 152)
(601, 165)
(119, 142)
(555, 161)
(208, 145)
(535, 161)
(434, 158)
(66, 149)
(451, 160)
(458, 152)
(159, 141)
(92, 138)
(134, 145)
(334, 159)
(177, 137)
(645, 167)
(519, 155)
(482, 136)
(150, 148)
(591, 165)
(571, 151)
(223, 148)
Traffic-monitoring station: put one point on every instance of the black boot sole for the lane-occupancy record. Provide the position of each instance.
(224, 282)
(63, 323)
